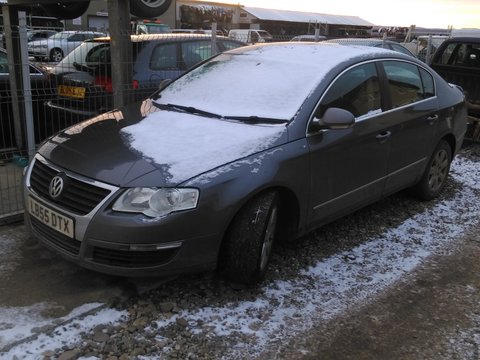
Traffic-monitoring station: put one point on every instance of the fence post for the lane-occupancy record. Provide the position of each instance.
(27, 86)
(121, 50)
(214, 38)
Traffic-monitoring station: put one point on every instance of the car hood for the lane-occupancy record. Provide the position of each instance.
(141, 145)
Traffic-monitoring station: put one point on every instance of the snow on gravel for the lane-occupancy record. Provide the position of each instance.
(288, 307)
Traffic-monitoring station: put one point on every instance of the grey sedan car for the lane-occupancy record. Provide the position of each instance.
(217, 166)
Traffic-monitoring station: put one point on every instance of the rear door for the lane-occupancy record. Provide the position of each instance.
(413, 121)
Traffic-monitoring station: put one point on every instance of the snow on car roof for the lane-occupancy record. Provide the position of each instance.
(270, 80)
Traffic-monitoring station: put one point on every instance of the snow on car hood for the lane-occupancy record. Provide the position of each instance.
(188, 145)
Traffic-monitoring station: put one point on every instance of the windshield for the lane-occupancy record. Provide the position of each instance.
(263, 83)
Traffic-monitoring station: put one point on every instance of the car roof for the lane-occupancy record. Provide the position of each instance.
(309, 53)
(472, 39)
(360, 41)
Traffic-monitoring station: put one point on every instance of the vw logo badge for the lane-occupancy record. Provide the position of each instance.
(56, 187)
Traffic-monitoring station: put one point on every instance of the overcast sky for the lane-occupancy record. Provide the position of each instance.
(424, 13)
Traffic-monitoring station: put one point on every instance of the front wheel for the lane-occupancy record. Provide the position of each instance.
(248, 245)
(436, 173)
(147, 9)
(56, 55)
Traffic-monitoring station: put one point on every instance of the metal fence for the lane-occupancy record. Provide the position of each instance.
(71, 76)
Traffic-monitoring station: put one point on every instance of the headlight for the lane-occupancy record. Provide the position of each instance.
(155, 202)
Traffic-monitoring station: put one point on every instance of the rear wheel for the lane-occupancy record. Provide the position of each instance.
(149, 8)
(436, 173)
(248, 245)
(56, 55)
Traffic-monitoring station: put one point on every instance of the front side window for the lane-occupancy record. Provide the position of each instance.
(357, 90)
(404, 83)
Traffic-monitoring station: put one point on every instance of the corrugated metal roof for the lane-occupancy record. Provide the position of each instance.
(305, 17)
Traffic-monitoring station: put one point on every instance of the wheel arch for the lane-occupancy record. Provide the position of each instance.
(289, 214)
(450, 139)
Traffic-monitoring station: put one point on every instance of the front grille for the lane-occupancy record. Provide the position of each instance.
(55, 238)
(132, 259)
(78, 197)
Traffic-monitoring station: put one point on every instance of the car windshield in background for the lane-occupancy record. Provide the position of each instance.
(272, 79)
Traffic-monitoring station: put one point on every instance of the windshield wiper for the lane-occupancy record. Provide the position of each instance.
(187, 109)
(256, 119)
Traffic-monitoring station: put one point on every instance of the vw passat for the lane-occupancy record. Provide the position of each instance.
(257, 145)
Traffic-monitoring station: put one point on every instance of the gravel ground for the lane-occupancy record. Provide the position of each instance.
(202, 317)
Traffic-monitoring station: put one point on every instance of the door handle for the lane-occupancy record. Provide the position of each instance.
(432, 119)
(383, 136)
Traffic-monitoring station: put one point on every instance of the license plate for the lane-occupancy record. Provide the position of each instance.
(71, 91)
(51, 218)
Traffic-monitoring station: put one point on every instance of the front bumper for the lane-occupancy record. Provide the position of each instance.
(123, 244)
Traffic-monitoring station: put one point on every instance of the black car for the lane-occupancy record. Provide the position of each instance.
(259, 144)
(84, 80)
(379, 43)
(457, 60)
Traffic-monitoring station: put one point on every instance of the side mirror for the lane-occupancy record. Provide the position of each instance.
(164, 83)
(334, 118)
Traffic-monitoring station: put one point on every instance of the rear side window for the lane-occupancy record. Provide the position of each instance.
(428, 84)
(357, 90)
(195, 52)
(404, 83)
(164, 57)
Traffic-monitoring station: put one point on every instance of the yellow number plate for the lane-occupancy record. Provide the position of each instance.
(71, 91)
(49, 217)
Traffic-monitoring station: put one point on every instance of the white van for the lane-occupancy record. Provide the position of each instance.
(250, 36)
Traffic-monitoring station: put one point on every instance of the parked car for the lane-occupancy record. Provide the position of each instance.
(88, 91)
(40, 93)
(379, 43)
(457, 60)
(217, 166)
(57, 46)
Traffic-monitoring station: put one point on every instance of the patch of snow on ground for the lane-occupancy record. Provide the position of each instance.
(65, 334)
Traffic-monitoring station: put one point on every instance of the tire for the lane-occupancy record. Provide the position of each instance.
(147, 9)
(66, 11)
(436, 173)
(247, 248)
(56, 55)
